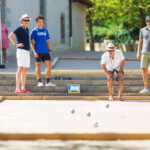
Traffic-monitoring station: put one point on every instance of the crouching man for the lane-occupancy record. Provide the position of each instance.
(112, 62)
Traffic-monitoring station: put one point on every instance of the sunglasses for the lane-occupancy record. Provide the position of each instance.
(26, 20)
(111, 51)
(147, 20)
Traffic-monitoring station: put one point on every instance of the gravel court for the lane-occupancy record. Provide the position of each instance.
(55, 116)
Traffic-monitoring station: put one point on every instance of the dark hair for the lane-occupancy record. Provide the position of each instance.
(39, 17)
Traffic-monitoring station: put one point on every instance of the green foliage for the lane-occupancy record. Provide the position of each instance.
(120, 20)
(115, 32)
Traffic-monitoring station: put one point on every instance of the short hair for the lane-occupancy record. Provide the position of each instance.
(39, 17)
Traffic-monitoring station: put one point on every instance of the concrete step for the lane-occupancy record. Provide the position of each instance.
(73, 76)
(81, 82)
(43, 95)
(64, 89)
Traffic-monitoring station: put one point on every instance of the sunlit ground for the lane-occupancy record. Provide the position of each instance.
(75, 145)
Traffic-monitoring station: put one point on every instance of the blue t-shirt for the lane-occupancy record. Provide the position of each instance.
(40, 37)
(22, 36)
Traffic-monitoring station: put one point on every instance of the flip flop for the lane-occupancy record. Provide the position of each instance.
(111, 99)
(120, 99)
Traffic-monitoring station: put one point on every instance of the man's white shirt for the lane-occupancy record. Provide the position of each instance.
(112, 64)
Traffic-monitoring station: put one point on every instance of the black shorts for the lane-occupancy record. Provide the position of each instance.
(43, 57)
(115, 71)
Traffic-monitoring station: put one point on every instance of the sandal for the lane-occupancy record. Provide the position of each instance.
(19, 91)
(26, 91)
(111, 98)
(120, 99)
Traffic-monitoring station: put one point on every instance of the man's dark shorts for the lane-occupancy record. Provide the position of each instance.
(115, 71)
(43, 57)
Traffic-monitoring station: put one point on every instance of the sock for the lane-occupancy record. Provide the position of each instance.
(47, 80)
(39, 80)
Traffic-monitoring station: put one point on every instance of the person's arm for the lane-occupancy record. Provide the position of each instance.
(104, 67)
(139, 48)
(11, 38)
(6, 29)
(122, 66)
(33, 48)
(7, 32)
(49, 47)
(120, 73)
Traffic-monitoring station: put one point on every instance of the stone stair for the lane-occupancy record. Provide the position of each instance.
(92, 84)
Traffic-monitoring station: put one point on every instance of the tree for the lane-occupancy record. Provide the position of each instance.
(90, 28)
(128, 14)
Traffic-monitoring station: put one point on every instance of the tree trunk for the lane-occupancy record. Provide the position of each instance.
(91, 39)
(142, 17)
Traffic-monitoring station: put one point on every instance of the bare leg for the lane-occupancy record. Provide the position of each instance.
(18, 77)
(145, 77)
(110, 88)
(38, 70)
(120, 88)
(48, 69)
(4, 55)
(23, 78)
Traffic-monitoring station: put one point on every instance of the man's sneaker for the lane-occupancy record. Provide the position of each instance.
(144, 91)
(50, 84)
(40, 84)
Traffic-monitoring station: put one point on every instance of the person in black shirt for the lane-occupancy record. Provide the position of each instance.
(23, 52)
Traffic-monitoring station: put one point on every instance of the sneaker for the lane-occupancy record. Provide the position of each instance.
(27, 91)
(144, 91)
(40, 84)
(50, 84)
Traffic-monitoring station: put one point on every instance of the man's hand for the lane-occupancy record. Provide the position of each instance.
(120, 74)
(109, 76)
(50, 53)
(139, 56)
(36, 55)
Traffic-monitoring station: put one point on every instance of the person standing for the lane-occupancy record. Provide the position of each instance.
(23, 52)
(113, 61)
(5, 43)
(42, 51)
(143, 54)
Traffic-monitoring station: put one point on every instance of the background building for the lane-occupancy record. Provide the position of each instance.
(65, 19)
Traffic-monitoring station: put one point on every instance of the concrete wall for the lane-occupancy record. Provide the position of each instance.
(54, 9)
(14, 10)
(79, 21)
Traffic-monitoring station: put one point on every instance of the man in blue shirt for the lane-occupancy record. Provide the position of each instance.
(41, 49)
(23, 52)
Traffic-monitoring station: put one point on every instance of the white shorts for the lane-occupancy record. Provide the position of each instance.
(23, 58)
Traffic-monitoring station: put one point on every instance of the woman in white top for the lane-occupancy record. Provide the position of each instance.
(113, 61)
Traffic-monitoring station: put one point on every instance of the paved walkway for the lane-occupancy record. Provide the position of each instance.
(75, 145)
(72, 64)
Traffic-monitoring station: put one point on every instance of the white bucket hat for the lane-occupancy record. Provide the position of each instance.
(110, 47)
(24, 16)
